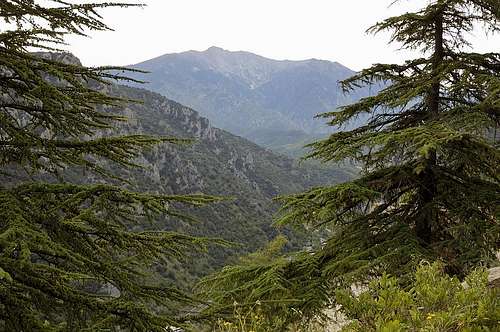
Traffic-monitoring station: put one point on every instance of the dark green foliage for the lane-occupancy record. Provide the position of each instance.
(435, 302)
(431, 172)
(57, 238)
(430, 186)
(258, 283)
(68, 258)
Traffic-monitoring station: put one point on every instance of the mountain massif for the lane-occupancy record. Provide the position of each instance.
(270, 102)
(216, 162)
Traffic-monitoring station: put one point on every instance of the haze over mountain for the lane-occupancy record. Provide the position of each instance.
(271, 102)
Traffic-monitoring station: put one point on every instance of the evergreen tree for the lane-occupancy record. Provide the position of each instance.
(430, 184)
(62, 243)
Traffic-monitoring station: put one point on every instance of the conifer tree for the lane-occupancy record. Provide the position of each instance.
(61, 242)
(430, 184)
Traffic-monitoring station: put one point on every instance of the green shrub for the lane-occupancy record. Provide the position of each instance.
(435, 302)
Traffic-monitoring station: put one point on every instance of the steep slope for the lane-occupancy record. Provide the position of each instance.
(216, 163)
(264, 100)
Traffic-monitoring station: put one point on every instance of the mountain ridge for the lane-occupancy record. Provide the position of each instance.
(248, 94)
(213, 55)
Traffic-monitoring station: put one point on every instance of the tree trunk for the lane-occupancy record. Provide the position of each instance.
(429, 187)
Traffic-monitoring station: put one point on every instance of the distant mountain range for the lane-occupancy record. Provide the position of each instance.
(270, 102)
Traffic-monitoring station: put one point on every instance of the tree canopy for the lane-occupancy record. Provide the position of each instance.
(68, 258)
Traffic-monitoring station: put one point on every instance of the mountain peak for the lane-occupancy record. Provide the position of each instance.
(213, 49)
(252, 95)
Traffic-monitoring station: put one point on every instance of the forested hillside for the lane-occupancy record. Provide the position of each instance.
(213, 162)
(217, 163)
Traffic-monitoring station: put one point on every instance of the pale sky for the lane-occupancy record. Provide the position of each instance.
(279, 29)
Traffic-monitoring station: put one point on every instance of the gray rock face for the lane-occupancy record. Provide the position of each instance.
(261, 99)
(66, 58)
(494, 277)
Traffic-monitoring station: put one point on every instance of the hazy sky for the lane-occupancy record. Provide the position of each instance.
(280, 29)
